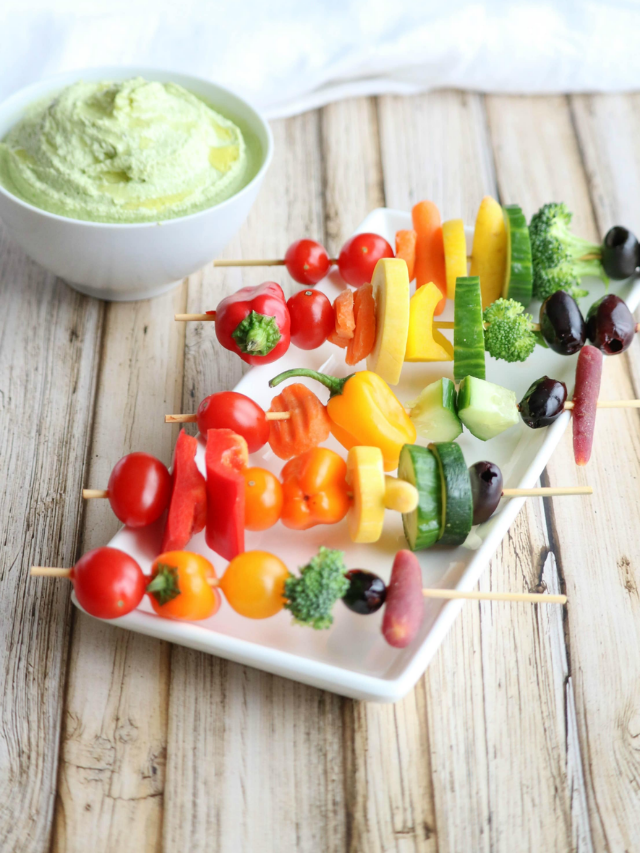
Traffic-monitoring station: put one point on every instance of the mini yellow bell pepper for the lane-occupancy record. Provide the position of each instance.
(363, 410)
(425, 343)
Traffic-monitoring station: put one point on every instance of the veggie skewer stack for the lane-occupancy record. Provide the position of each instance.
(440, 499)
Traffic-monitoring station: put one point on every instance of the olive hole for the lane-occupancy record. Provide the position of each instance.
(615, 345)
(488, 476)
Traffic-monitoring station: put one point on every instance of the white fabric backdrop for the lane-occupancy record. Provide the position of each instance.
(287, 56)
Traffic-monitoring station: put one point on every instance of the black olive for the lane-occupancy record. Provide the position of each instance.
(543, 402)
(610, 325)
(366, 592)
(562, 324)
(619, 252)
(486, 490)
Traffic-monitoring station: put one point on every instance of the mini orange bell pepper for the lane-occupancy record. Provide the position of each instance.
(315, 489)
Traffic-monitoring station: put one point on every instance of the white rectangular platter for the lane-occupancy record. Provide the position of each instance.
(352, 657)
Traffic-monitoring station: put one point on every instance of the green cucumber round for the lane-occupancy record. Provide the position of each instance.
(419, 466)
(457, 497)
(468, 330)
(518, 282)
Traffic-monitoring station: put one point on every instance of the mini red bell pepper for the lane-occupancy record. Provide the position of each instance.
(226, 457)
(188, 503)
(254, 322)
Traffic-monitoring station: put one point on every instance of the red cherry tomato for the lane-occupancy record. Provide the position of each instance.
(307, 261)
(312, 318)
(230, 410)
(108, 583)
(139, 489)
(359, 256)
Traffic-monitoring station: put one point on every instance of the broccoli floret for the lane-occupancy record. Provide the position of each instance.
(508, 334)
(311, 596)
(558, 255)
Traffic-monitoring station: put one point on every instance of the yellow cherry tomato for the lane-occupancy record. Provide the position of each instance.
(181, 586)
(254, 584)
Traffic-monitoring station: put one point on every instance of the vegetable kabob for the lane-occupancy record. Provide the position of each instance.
(438, 498)
(307, 261)
(109, 584)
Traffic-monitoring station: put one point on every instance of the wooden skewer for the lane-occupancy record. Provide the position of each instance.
(49, 572)
(192, 419)
(87, 494)
(533, 597)
(258, 262)
(547, 491)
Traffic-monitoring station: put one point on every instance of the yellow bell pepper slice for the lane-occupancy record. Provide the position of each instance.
(489, 252)
(424, 343)
(390, 283)
(455, 253)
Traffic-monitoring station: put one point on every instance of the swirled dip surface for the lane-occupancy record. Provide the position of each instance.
(133, 151)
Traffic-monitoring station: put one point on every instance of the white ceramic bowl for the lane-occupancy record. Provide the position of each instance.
(123, 262)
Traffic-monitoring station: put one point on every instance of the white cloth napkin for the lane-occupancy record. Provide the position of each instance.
(287, 56)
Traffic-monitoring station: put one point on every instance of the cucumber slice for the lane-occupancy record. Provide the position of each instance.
(518, 280)
(468, 330)
(486, 409)
(457, 497)
(419, 467)
(434, 413)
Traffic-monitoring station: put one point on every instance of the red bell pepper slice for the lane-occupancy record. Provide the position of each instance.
(226, 457)
(254, 323)
(585, 402)
(188, 503)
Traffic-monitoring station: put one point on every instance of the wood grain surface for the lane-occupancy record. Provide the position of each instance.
(524, 733)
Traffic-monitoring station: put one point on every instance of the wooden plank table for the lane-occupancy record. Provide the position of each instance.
(523, 735)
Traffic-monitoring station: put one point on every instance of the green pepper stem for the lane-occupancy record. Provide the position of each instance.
(335, 384)
(164, 586)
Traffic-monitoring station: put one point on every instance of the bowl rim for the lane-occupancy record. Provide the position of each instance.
(124, 72)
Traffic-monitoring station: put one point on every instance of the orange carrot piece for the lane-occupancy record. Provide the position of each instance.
(308, 426)
(430, 265)
(345, 319)
(364, 336)
(406, 249)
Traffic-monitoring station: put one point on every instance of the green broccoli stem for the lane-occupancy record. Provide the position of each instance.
(578, 247)
(590, 267)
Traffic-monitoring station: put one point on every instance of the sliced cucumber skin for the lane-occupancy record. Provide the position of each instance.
(518, 283)
(475, 408)
(458, 508)
(468, 330)
(434, 413)
(419, 466)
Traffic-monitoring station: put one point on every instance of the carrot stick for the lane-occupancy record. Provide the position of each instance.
(364, 335)
(430, 265)
(406, 249)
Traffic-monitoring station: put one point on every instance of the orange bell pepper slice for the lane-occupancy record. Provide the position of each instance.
(315, 490)
(308, 426)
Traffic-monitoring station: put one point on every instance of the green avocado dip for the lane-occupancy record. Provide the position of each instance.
(133, 151)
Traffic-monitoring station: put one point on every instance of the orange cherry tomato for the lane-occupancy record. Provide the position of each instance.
(262, 499)
(180, 587)
(254, 584)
